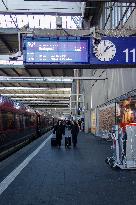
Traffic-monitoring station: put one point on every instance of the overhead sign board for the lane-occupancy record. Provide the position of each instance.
(114, 51)
(110, 51)
(59, 50)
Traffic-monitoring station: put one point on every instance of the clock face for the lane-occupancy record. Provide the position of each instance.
(105, 51)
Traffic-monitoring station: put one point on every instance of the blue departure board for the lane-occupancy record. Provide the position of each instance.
(59, 50)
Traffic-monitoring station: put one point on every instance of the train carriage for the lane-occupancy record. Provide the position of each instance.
(20, 124)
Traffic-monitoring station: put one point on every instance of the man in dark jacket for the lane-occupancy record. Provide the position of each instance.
(74, 132)
(59, 130)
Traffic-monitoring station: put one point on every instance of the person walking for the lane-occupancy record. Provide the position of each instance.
(74, 132)
(59, 130)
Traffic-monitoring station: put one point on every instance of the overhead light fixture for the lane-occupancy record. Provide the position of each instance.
(46, 102)
(37, 94)
(33, 98)
(37, 89)
(35, 79)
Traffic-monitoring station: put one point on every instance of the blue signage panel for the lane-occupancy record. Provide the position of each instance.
(59, 50)
(113, 51)
(80, 50)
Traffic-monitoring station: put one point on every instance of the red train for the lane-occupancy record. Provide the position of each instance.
(20, 124)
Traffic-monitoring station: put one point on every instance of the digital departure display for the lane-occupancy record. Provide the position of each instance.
(62, 50)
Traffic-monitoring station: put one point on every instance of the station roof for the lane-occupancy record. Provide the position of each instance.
(44, 95)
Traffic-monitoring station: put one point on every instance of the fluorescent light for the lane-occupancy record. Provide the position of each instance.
(64, 102)
(37, 94)
(51, 99)
(31, 88)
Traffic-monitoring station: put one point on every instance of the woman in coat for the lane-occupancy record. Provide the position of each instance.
(59, 130)
(74, 132)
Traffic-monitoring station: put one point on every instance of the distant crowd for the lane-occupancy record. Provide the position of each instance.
(73, 126)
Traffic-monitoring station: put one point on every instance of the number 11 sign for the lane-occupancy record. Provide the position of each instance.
(128, 54)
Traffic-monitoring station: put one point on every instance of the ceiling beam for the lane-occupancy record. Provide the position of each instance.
(6, 76)
(8, 46)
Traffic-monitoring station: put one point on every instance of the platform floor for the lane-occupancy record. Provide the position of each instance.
(67, 176)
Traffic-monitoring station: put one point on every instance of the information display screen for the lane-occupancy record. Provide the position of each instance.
(61, 50)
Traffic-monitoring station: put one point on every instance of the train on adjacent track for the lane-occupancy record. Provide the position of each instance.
(20, 124)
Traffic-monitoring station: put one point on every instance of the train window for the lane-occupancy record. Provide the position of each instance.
(24, 120)
(33, 120)
(8, 120)
(17, 121)
(4, 120)
(21, 121)
(27, 120)
(11, 120)
(0, 121)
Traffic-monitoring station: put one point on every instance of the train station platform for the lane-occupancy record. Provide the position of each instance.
(50, 176)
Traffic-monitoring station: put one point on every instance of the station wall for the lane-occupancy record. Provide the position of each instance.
(118, 82)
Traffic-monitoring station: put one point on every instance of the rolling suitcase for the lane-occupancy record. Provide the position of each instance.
(67, 141)
(53, 142)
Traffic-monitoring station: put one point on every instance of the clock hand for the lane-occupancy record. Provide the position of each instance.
(107, 48)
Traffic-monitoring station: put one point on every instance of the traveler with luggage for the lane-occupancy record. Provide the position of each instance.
(59, 131)
(74, 132)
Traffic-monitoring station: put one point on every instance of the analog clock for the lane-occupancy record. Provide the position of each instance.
(105, 50)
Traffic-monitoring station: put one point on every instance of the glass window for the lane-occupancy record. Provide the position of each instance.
(21, 121)
(116, 15)
(70, 24)
(33, 120)
(119, 13)
(124, 6)
(53, 22)
(0, 121)
(17, 121)
(31, 21)
(8, 120)
(8, 21)
(47, 21)
(42, 21)
(24, 119)
(36, 21)
(27, 120)
(64, 23)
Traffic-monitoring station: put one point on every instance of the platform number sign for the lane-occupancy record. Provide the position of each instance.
(114, 51)
(129, 52)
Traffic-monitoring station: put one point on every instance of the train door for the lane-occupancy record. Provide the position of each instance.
(38, 127)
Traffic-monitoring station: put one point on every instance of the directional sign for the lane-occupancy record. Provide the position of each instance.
(113, 51)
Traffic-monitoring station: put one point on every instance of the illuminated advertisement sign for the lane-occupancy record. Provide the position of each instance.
(61, 50)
